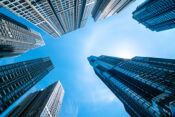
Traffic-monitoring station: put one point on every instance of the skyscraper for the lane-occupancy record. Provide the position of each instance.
(18, 78)
(43, 103)
(157, 15)
(56, 17)
(16, 38)
(145, 86)
(106, 8)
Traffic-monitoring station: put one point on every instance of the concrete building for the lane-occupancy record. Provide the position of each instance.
(16, 38)
(107, 8)
(56, 17)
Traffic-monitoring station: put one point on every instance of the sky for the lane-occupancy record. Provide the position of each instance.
(85, 94)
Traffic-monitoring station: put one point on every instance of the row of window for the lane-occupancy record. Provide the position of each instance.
(15, 90)
(154, 8)
(137, 103)
(18, 33)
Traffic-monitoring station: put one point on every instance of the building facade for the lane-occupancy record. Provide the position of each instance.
(56, 17)
(145, 86)
(43, 103)
(16, 38)
(107, 8)
(157, 15)
(18, 78)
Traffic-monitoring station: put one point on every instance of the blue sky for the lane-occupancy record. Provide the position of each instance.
(85, 93)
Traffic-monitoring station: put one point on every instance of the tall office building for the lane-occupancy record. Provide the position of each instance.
(106, 8)
(56, 17)
(145, 86)
(157, 15)
(16, 38)
(18, 78)
(43, 103)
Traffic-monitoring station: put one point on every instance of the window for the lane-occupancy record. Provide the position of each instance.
(6, 2)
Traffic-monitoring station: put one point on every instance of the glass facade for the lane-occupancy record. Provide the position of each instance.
(16, 38)
(72, 14)
(106, 8)
(56, 17)
(18, 78)
(43, 103)
(157, 15)
(145, 85)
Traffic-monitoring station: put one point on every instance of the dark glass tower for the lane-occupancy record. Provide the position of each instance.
(157, 15)
(43, 103)
(107, 8)
(18, 78)
(16, 38)
(145, 86)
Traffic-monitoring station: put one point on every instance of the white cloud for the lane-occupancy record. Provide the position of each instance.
(69, 109)
(102, 95)
(98, 92)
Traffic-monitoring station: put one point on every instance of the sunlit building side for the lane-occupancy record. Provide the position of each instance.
(16, 38)
(43, 103)
(56, 17)
(107, 8)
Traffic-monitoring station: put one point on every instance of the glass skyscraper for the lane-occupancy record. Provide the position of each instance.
(18, 78)
(16, 38)
(106, 8)
(43, 103)
(145, 86)
(157, 15)
(56, 17)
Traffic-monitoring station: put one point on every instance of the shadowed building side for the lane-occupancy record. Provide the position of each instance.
(18, 78)
(73, 14)
(145, 85)
(43, 103)
(157, 15)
